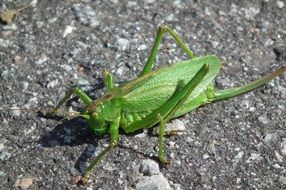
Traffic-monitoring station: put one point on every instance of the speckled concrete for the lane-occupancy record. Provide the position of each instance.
(235, 144)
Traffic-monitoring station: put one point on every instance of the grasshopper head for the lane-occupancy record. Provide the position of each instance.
(96, 123)
(102, 115)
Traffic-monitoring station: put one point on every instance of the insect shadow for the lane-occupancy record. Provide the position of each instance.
(75, 132)
(71, 133)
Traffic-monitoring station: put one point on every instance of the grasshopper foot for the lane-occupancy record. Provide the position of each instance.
(83, 181)
(164, 161)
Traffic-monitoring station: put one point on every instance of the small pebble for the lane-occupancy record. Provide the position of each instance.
(5, 74)
(119, 71)
(177, 186)
(251, 12)
(280, 4)
(270, 138)
(68, 30)
(276, 166)
(42, 60)
(16, 111)
(149, 167)
(86, 15)
(283, 147)
(17, 59)
(263, 119)
(142, 47)
(52, 84)
(154, 182)
(237, 157)
(123, 44)
(5, 156)
(283, 180)
(278, 156)
(150, 1)
(214, 44)
(205, 156)
(176, 127)
(24, 183)
(25, 85)
(254, 157)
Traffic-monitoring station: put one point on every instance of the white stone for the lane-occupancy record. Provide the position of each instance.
(280, 4)
(283, 147)
(68, 30)
(123, 44)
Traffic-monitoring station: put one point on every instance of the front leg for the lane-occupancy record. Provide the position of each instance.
(113, 131)
(108, 80)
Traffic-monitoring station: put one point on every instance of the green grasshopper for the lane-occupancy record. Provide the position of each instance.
(155, 96)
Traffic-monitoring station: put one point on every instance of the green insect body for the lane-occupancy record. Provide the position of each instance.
(156, 96)
(156, 91)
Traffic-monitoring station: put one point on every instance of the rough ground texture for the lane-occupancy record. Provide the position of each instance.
(235, 144)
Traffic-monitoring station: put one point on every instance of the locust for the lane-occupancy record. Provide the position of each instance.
(155, 97)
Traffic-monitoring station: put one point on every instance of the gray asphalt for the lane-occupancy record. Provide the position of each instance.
(52, 45)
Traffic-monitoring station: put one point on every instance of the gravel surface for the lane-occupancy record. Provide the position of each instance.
(52, 45)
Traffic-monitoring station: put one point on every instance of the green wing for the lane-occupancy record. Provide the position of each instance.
(157, 89)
